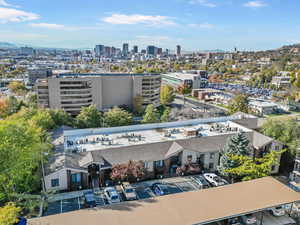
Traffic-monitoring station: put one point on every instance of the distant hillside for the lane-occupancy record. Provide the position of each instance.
(7, 45)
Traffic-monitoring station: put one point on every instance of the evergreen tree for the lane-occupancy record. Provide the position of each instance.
(150, 115)
(237, 145)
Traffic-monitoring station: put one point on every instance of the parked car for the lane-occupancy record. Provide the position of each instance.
(277, 211)
(201, 181)
(233, 221)
(214, 179)
(249, 219)
(160, 189)
(128, 191)
(112, 195)
(22, 221)
(89, 199)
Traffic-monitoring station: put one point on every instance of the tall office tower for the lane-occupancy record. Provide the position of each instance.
(113, 51)
(125, 49)
(144, 51)
(178, 51)
(159, 51)
(107, 51)
(135, 49)
(151, 50)
(167, 51)
(99, 50)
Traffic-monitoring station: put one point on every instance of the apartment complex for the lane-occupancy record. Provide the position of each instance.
(71, 92)
(89, 155)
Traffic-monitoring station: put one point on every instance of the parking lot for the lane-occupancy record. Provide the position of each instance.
(67, 202)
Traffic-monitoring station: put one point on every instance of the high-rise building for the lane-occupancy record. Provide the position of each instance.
(151, 50)
(107, 51)
(135, 49)
(99, 50)
(125, 49)
(27, 51)
(71, 92)
(178, 50)
(159, 51)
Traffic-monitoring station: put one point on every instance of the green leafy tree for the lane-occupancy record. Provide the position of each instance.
(9, 214)
(21, 147)
(18, 87)
(117, 117)
(184, 90)
(150, 115)
(237, 145)
(240, 103)
(250, 168)
(89, 117)
(167, 94)
(138, 104)
(60, 118)
(44, 120)
(166, 115)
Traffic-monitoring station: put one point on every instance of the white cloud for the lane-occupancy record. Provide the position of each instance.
(138, 19)
(255, 4)
(15, 15)
(202, 25)
(205, 3)
(51, 26)
(54, 26)
(4, 3)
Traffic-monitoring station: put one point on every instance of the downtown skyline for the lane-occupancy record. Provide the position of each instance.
(193, 24)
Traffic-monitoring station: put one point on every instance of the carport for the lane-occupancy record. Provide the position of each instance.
(187, 208)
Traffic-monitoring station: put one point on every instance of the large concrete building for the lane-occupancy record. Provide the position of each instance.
(71, 92)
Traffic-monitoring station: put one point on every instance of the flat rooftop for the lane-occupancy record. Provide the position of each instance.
(188, 208)
(66, 75)
(97, 139)
(262, 104)
(181, 76)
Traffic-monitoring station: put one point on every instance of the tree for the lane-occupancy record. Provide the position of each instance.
(9, 106)
(150, 115)
(138, 104)
(89, 117)
(128, 172)
(117, 117)
(61, 117)
(167, 94)
(17, 87)
(9, 214)
(166, 115)
(184, 90)
(237, 145)
(240, 103)
(250, 168)
(21, 147)
(43, 119)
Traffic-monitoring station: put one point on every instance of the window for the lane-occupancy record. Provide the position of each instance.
(146, 165)
(189, 157)
(212, 155)
(273, 168)
(211, 166)
(159, 163)
(76, 178)
(54, 182)
(276, 147)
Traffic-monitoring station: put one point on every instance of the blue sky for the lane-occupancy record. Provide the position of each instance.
(194, 24)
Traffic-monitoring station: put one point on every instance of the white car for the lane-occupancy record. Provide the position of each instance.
(214, 179)
(249, 219)
(112, 195)
(277, 211)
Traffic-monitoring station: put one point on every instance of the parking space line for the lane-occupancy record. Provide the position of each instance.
(192, 184)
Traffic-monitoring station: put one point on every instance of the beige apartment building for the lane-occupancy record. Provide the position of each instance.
(71, 92)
